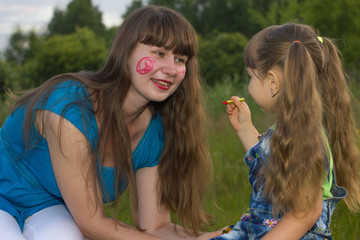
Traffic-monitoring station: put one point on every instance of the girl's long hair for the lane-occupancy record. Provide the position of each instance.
(313, 97)
(185, 164)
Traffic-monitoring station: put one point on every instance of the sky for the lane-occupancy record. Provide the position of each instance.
(36, 14)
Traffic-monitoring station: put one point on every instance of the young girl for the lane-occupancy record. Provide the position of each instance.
(79, 139)
(307, 161)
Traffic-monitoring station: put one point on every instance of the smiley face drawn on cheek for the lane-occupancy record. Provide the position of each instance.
(145, 65)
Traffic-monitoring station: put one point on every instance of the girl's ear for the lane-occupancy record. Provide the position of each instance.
(274, 78)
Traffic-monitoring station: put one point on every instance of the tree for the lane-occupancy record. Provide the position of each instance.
(276, 12)
(338, 20)
(3, 74)
(22, 47)
(167, 3)
(79, 13)
(224, 16)
(222, 56)
(82, 50)
(136, 4)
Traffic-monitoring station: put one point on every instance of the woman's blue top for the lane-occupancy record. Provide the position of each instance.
(27, 181)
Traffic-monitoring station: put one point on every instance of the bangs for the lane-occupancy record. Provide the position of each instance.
(165, 29)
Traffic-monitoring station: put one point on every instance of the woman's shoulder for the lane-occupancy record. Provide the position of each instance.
(71, 89)
(71, 100)
(65, 94)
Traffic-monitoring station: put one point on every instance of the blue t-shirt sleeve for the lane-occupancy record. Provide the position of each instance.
(72, 101)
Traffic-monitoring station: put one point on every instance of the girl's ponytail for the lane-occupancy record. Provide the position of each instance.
(339, 122)
(299, 116)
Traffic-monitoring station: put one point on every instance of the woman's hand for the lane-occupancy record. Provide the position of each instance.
(209, 235)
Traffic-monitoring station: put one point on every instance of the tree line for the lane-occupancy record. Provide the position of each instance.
(76, 38)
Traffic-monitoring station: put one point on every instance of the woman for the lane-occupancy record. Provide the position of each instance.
(79, 139)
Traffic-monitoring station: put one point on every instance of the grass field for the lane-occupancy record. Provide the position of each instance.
(229, 195)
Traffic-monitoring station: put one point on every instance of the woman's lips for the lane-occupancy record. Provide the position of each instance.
(162, 84)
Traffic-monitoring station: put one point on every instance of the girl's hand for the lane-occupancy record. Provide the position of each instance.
(239, 114)
(240, 118)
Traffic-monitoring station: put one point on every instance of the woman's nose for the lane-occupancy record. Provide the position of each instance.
(169, 67)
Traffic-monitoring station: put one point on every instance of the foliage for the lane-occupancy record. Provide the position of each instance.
(224, 16)
(339, 20)
(22, 47)
(81, 50)
(110, 35)
(276, 12)
(3, 74)
(79, 13)
(208, 16)
(221, 55)
(136, 4)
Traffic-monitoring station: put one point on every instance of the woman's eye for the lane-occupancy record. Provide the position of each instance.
(181, 60)
(161, 54)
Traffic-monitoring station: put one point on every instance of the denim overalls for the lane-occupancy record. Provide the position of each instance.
(260, 220)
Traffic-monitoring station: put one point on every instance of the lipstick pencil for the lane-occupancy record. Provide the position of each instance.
(231, 101)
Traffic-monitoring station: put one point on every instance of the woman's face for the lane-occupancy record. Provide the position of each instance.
(155, 72)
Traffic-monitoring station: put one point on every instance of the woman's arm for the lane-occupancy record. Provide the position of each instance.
(154, 218)
(294, 226)
(71, 164)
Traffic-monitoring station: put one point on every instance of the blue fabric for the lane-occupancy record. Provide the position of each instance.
(27, 181)
(260, 220)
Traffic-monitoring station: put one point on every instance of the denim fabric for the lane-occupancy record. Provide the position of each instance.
(261, 220)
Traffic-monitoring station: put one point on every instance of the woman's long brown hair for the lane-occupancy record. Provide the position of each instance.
(185, 164)
(313, 97)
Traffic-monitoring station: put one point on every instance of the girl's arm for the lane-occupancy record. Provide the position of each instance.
(154, 218)
(294, 226)
(240, 117)
(71, 165)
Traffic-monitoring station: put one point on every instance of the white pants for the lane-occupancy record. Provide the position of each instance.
(52, 223)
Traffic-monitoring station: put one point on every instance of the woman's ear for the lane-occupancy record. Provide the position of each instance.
(274, 78)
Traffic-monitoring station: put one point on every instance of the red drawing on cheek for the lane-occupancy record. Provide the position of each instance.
(145, 65)
(180, 70)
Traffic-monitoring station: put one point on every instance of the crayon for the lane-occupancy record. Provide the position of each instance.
(231, 101)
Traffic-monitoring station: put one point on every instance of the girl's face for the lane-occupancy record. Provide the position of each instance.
(259, 90)
(155, 72)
